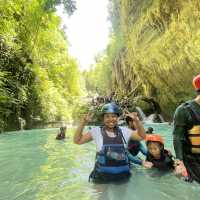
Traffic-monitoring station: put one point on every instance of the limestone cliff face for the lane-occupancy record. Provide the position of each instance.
(160, 52)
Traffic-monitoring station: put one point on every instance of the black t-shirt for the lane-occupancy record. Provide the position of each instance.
(183, 121)
(134, 147)
(164, 163)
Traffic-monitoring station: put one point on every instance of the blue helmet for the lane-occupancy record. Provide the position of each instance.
(111, 108)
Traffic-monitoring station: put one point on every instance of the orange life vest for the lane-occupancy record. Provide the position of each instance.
(194, 132)
(194, 138)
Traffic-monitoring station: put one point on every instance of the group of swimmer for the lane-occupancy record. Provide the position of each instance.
(117, 146)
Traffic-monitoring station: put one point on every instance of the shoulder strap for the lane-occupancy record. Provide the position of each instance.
(102, 132)
(195, 111)
(195, 116)
(119, 130)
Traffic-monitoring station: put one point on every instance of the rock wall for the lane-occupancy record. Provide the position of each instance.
(160, 51)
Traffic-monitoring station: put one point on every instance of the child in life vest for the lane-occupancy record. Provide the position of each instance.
(160, 158)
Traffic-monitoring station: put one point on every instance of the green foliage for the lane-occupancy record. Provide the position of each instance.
(69, 5)
(38, 78)
(82, 109)
(99, 77)
(79, 111)
(160, 50)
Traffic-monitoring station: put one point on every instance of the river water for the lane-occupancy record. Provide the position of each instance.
(35, 166)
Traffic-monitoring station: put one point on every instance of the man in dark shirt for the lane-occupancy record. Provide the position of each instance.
(186, 135)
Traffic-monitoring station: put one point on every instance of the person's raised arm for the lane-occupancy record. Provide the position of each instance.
(79, 137)
(139, 133)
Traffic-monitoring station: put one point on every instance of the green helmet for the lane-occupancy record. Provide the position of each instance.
(111, 108)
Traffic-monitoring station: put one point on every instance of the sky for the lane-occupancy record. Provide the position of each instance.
(87, 30)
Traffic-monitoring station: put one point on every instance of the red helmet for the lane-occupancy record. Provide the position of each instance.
(196, 82)
(154, 138)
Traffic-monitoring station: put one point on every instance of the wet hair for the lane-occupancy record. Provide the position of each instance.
(63, 128)
(161, 146)
(132, 126)
(149, 130)
(128, 119)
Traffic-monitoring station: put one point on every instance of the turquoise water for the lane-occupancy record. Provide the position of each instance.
(35, 166)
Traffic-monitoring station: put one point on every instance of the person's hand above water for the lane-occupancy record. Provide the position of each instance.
(180, 169)
(147, 164)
